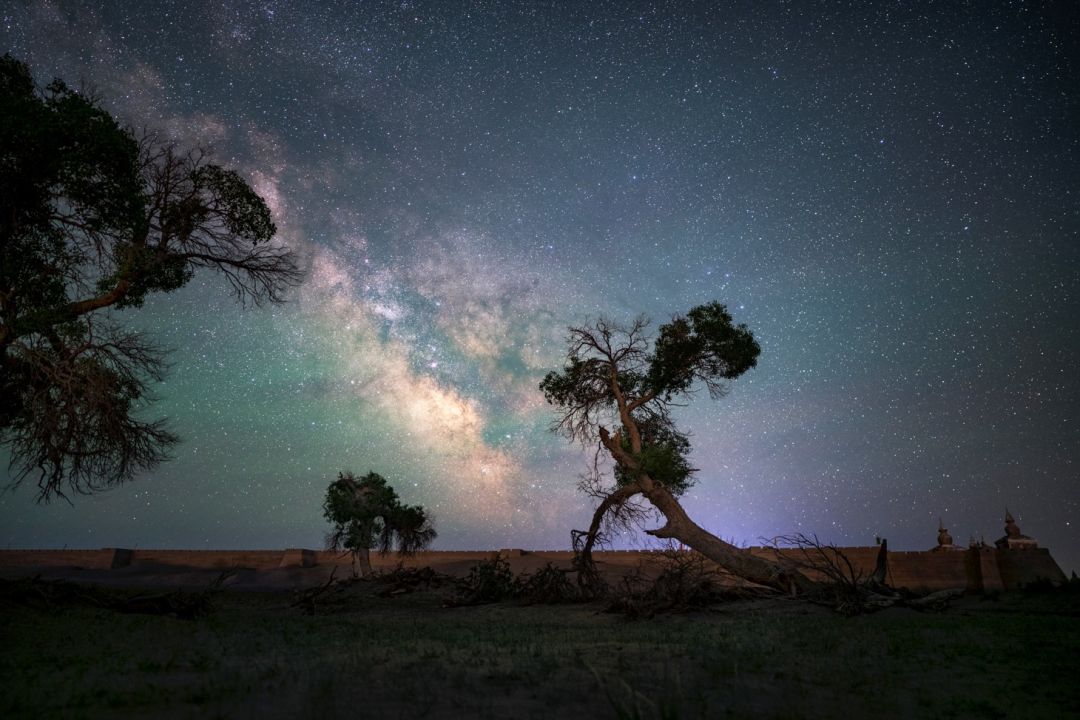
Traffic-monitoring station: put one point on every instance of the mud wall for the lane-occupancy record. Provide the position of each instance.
(257, 559)
(90, 559)
(1020, 567)
(917, 571)
(974, 568)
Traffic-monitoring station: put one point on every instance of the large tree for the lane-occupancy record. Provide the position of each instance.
(617, 387)
(366, 513)
(93, 219)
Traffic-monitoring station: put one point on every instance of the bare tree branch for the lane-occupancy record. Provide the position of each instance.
(78, 426)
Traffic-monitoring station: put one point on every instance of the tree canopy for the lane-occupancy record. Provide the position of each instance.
(618, 387)
(94, 219)
(367, 514)
(612, 378)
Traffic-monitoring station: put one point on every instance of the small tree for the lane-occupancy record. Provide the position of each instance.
(366, 513)
(617, 389)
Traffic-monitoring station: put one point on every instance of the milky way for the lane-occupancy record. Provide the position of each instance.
(886, 193)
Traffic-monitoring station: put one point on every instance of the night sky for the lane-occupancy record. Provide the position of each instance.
(885, 193)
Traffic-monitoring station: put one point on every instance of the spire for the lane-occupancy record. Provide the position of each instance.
(1013, 538)
(944, 539)
(1011, 528)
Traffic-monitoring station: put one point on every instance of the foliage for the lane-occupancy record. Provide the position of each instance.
(487, 582)
(93, 218)
(492, 581)
(612, 378)
(663, 457)
(548, 585)
(366, 513)
(702, 346)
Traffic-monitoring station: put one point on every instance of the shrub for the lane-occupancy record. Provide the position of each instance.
(548, 585)
(488, 581)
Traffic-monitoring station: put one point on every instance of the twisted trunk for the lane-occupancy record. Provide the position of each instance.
(616, 498)
(737, 561)
(587, 576)
(680, 527)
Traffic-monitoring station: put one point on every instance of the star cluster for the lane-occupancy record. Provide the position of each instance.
(884, 192)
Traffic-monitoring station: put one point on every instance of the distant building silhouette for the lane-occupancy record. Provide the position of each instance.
(1014, 539)
(944, 539)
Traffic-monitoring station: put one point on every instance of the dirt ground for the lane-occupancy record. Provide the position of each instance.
(369, 655)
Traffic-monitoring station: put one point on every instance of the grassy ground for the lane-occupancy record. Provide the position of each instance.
(409, 656)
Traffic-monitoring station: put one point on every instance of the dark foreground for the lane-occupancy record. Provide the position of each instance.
(408, 656)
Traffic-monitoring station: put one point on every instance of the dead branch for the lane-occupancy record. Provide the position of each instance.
(308, 599)
(842, 585)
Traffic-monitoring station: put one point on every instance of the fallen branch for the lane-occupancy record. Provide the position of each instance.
(937, 601)
(308, 599)
(180, 604)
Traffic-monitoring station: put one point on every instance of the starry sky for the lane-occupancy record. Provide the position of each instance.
(885, 193)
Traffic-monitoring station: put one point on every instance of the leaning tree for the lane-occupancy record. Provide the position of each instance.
(366, 513)
(94, 219)
(618, 387)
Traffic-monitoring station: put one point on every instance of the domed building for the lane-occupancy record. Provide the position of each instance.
(944, 539)
(1014, 539)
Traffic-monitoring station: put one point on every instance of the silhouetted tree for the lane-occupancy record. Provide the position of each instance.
(618, 387)
(93, 218)
(366, 513)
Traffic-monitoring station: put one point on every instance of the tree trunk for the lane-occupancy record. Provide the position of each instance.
(680, 527)
(735, 560)
(361, 562)
(881, 568)
(618, 497)
(587, 576)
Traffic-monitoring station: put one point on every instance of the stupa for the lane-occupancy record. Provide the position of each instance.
(944, 539)
(1014, 539)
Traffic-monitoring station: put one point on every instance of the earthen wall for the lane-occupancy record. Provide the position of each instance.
(100, 559)
(208, 558)
(974, 568)
(1021, 567)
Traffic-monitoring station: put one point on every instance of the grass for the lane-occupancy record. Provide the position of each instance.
(409, 656)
